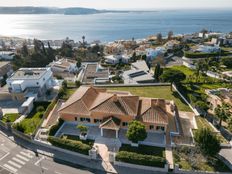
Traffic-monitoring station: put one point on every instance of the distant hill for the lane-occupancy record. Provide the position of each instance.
(48, 10)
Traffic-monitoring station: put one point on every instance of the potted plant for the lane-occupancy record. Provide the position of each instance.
(83, 131)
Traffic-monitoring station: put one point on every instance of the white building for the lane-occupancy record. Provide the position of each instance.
(6, 55)
(30, 82)
(115, 59)
(64, 65)
(139, 73)
(153, 53)
(208, 49)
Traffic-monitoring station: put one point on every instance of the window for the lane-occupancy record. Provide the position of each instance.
(125, 124)
(160, 128)
(37, 83)
(75, 118)
(97, 121)
(85, 119)
(151, 127)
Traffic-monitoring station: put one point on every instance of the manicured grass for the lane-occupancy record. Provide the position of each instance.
(10, 117)
(188, 159)
(156, 92)
(145, 150)
(187, 71)
(68, 93)
(203, 123)
(33, 120)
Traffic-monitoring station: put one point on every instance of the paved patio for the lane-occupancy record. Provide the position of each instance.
(153, 138)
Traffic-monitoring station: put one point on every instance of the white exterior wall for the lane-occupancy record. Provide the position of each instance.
(44, 80)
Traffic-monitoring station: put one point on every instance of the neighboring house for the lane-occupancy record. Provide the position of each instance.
(94, 73)
(207, 49)
(153, 53)
(227, 74)
(6, 55)
(5, 69)
(30, 82)
(64, 65)
(114, 48)
(218, 96)
(172, 44)
(115, 59)
(114, 110)
(139, 73)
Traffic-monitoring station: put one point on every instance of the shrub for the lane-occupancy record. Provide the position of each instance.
(134, 158)
(82, 128)
(207, 141)
(19, 127)
(77, 83)
(40, 109)
(72, 145)
(55, 127)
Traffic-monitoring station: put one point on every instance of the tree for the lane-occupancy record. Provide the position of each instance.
(173, 76)
(158, 72)
(78, 64)
(64, 84)
(134, 57)
(159, 38)
(202, 105)
(170, 34)
(207, 141)
(222, 112)
(136, 132)
(230, 124)
(227, 61)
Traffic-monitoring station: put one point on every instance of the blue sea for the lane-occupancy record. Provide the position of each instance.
(112, 26)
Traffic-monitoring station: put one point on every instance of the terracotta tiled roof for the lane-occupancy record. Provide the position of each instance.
(119, 106)
(110, 123)
(90, 100)
(153, 111)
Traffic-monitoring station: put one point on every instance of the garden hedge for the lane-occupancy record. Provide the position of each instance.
(135, 158)
(55, 127)
(76, 146)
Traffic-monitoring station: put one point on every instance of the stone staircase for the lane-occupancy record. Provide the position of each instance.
(104, 146)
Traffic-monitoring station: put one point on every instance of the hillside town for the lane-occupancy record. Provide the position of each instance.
(160, 104)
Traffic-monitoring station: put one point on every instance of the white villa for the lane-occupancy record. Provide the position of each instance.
(115, 59)
(30, 82)
(139, 73)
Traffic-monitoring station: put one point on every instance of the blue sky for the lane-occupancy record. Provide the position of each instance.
(123, 4)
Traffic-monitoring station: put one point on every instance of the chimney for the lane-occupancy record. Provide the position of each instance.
(115, 98)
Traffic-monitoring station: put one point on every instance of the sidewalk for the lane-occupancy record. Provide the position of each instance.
(169, 157)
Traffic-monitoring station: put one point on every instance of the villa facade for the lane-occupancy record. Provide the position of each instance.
(114, 110)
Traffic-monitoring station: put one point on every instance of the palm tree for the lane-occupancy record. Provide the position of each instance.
(83, 39)
(222, 112)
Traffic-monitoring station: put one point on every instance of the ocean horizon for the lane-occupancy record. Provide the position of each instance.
(114, 26)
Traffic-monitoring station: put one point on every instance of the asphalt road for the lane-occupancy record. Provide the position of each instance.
(16, 159)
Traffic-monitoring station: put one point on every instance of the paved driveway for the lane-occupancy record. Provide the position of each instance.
(153, 138)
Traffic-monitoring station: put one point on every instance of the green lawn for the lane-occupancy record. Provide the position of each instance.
(156, 92)
(33, 120)
(203, 123)
(68, 93)
(187, 71)
(10, 117)
(188, 159)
